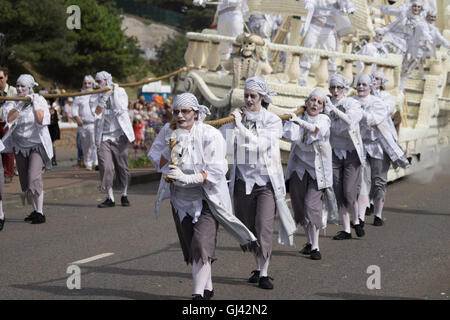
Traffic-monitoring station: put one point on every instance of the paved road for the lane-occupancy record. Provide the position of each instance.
(412, 251)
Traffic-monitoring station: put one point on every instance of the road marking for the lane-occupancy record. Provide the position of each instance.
(97, 257)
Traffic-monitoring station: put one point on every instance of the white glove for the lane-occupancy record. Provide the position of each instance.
(237, 118)
(306, 125)
(175, 173)
(32, 96)
(351, 10)
(105, 96)
(294, 118)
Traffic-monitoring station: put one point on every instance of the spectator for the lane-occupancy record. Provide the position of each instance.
(138, 128)
(54, 131)
(8, 91)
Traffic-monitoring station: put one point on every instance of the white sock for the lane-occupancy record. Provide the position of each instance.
(209, 285)
(363, 204)
(345, 219)
(111, 194)
(378, 207)
(263, 265)
(257, 262)
(353, 212)
(32, 200)
(201, 273)
(124, 192)
(39, 201)
(308, 239)
(2, 214)
(314, 236)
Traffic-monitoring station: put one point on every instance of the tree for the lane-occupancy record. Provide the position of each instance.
(36, 33)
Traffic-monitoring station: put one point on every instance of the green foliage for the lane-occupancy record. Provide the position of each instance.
(142, 162)
(170, 55)
(36, 33)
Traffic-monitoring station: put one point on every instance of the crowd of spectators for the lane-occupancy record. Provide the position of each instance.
(148, 118)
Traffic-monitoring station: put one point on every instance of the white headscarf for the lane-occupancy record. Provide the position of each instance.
(259, 85)
(103, 75)
(28, 80)
(381, 75)
(189, 100)
(339, 79)
(318, 93)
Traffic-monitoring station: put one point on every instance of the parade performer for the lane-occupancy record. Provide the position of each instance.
(437, 39)
(113, 134)
(256, 178)
(230, 16)
(28, 137)
(323, 25)
(409, 35)
(83, 116)
(196, 168)
(309, 173)
(348, 154)
(379, 143)
(375, 49)
(2, 184)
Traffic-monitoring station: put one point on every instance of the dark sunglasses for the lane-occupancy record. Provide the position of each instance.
(183, 111)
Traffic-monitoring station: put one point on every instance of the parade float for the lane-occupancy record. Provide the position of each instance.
(423, 110)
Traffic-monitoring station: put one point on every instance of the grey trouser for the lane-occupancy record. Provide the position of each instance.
(30, 172)
(198, 240)
(257, 213)
(306, 200)
(113, 159)
(347, 179)
(379, 170)
(2, 180)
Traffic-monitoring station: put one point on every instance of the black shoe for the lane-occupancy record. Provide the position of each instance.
(255, 277)
(342, 235)
(54, 163)
(197, 297)
(264, 283)
(361, 223)
(2, 223)
(124, 201)
(38, 219)
(108, 203)
(208, 294)
(96, 168)
(306, 249)
(359, 230)
(31, 216)
(315, 255)
(377, 221)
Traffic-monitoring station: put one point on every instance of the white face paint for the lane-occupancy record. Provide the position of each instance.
(88, 85)
(363, 89)
(101, 83)
(314, 105)
(378, 82)
(185, 117)
(416, 9)
(252, 100)
(378, 37)
(22, 89)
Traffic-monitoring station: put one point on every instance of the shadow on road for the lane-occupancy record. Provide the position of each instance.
(358, 296)
(414, 211)
(99, 292)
